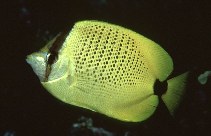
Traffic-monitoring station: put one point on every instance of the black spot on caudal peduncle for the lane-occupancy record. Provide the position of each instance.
(160, 87)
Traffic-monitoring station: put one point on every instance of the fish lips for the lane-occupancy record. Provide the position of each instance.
(37, 61)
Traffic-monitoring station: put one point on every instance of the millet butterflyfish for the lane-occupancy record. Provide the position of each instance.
(108, 69)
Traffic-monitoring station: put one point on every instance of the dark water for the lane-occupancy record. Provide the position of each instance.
(181, 27)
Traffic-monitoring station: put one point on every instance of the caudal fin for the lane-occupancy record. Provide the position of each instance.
(175, 92)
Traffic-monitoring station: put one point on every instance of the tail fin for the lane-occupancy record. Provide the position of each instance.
(175, 92)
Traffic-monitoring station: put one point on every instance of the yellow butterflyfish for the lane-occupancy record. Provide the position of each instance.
(108, 69)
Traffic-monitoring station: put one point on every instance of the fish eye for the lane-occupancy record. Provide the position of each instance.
(51, 58)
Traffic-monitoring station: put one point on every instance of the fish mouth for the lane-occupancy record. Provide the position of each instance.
(47, 72)
(37, 61)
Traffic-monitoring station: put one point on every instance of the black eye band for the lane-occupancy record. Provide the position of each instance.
(52, 58)
(53, 53)
(56, 46)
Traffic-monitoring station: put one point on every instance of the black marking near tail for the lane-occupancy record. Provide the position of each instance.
(160, 88)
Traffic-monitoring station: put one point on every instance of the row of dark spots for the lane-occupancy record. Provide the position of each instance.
(117, 56)
(115, 38)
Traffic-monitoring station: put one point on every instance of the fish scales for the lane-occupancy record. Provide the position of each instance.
(109, 64)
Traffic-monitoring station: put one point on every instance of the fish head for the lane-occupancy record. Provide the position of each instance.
(53, 64)
(39, 61)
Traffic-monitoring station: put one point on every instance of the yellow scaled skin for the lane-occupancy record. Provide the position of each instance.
(106, 68)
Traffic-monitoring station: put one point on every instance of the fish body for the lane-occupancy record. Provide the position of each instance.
(108, 69)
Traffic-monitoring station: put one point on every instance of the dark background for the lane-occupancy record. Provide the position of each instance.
(181, 27)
